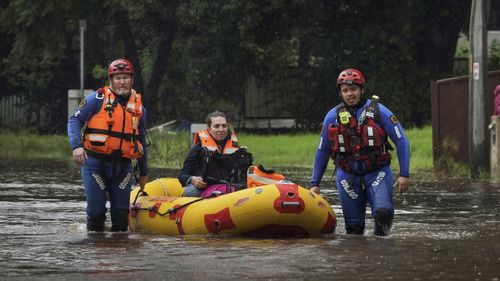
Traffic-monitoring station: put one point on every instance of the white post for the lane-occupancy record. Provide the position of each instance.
(478, 81)
(83, 27)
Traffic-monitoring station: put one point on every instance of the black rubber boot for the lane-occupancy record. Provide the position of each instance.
(383, 222)
(96, 223)
(355, 229)
(119, 220)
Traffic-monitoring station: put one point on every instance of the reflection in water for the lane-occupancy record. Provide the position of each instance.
(446, 230)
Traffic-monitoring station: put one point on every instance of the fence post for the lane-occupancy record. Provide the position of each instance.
(495, 147)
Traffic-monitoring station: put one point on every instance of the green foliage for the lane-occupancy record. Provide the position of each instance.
(463, 51)
(168, 149)
(195, 56)
(494, 56)
(463, 47)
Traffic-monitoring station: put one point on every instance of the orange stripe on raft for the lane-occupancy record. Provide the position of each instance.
(219, 221)
(177, 217)
(330, 224)
(154, 211)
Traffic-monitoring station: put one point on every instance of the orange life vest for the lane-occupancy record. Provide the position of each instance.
(207, 141)
(362, 141)
(258, 176)
(115, 127)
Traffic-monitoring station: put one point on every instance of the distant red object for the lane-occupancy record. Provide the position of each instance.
(497, 100)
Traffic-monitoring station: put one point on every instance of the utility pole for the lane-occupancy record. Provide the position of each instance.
(478, 82)
(83, 27)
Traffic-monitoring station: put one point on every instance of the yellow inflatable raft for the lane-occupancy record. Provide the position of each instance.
(280, 209)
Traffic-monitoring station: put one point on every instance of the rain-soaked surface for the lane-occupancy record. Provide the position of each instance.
(444, 230)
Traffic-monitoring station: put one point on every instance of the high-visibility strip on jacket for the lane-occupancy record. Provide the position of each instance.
(207, 141)
(115, 126)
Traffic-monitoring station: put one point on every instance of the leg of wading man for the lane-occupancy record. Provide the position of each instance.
(95, 194)
(119, 195)
(353, 201)
(379, 193)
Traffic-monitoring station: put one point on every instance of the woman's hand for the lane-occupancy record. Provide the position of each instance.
(198, 182)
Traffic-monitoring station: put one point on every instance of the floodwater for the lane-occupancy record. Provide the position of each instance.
(443, 230)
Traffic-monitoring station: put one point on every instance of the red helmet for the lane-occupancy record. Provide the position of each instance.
(120, 66)
(351, 76)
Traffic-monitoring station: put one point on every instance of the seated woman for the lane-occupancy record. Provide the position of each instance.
(215, 158)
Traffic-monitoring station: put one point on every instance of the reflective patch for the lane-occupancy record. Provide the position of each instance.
(125, 181)
(341, 139)
(82, 103)
(379, 178)
(394, 120)
(258, 190)
(99, 180)
(348, 189)
(230, 150)
(370, 131)
(99, 138)
(398, 133)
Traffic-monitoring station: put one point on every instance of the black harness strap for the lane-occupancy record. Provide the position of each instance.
(114, 134)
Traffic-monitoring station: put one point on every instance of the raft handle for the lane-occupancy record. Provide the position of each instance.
(290, 204)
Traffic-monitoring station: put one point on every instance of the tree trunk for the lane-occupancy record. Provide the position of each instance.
(125, 33)
(159, 68)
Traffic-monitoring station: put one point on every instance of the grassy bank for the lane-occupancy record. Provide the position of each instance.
(29, 146)
(295, 150)
(169, 150)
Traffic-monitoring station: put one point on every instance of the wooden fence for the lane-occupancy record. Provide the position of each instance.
(269, 101)
(450, 116)
(13, 111)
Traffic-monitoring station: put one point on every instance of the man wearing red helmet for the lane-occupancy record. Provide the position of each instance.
(114, 135)
(355, 135)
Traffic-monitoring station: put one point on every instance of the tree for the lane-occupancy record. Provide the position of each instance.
(195, 56)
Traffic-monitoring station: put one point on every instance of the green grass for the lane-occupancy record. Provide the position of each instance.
(420, 150)
(168, 150)
(281, 150)
(290, 150)
(26, 145)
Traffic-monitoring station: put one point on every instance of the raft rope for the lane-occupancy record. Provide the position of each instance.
(165, 193)
(154, 208)
(169, 211)
(133, 206)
